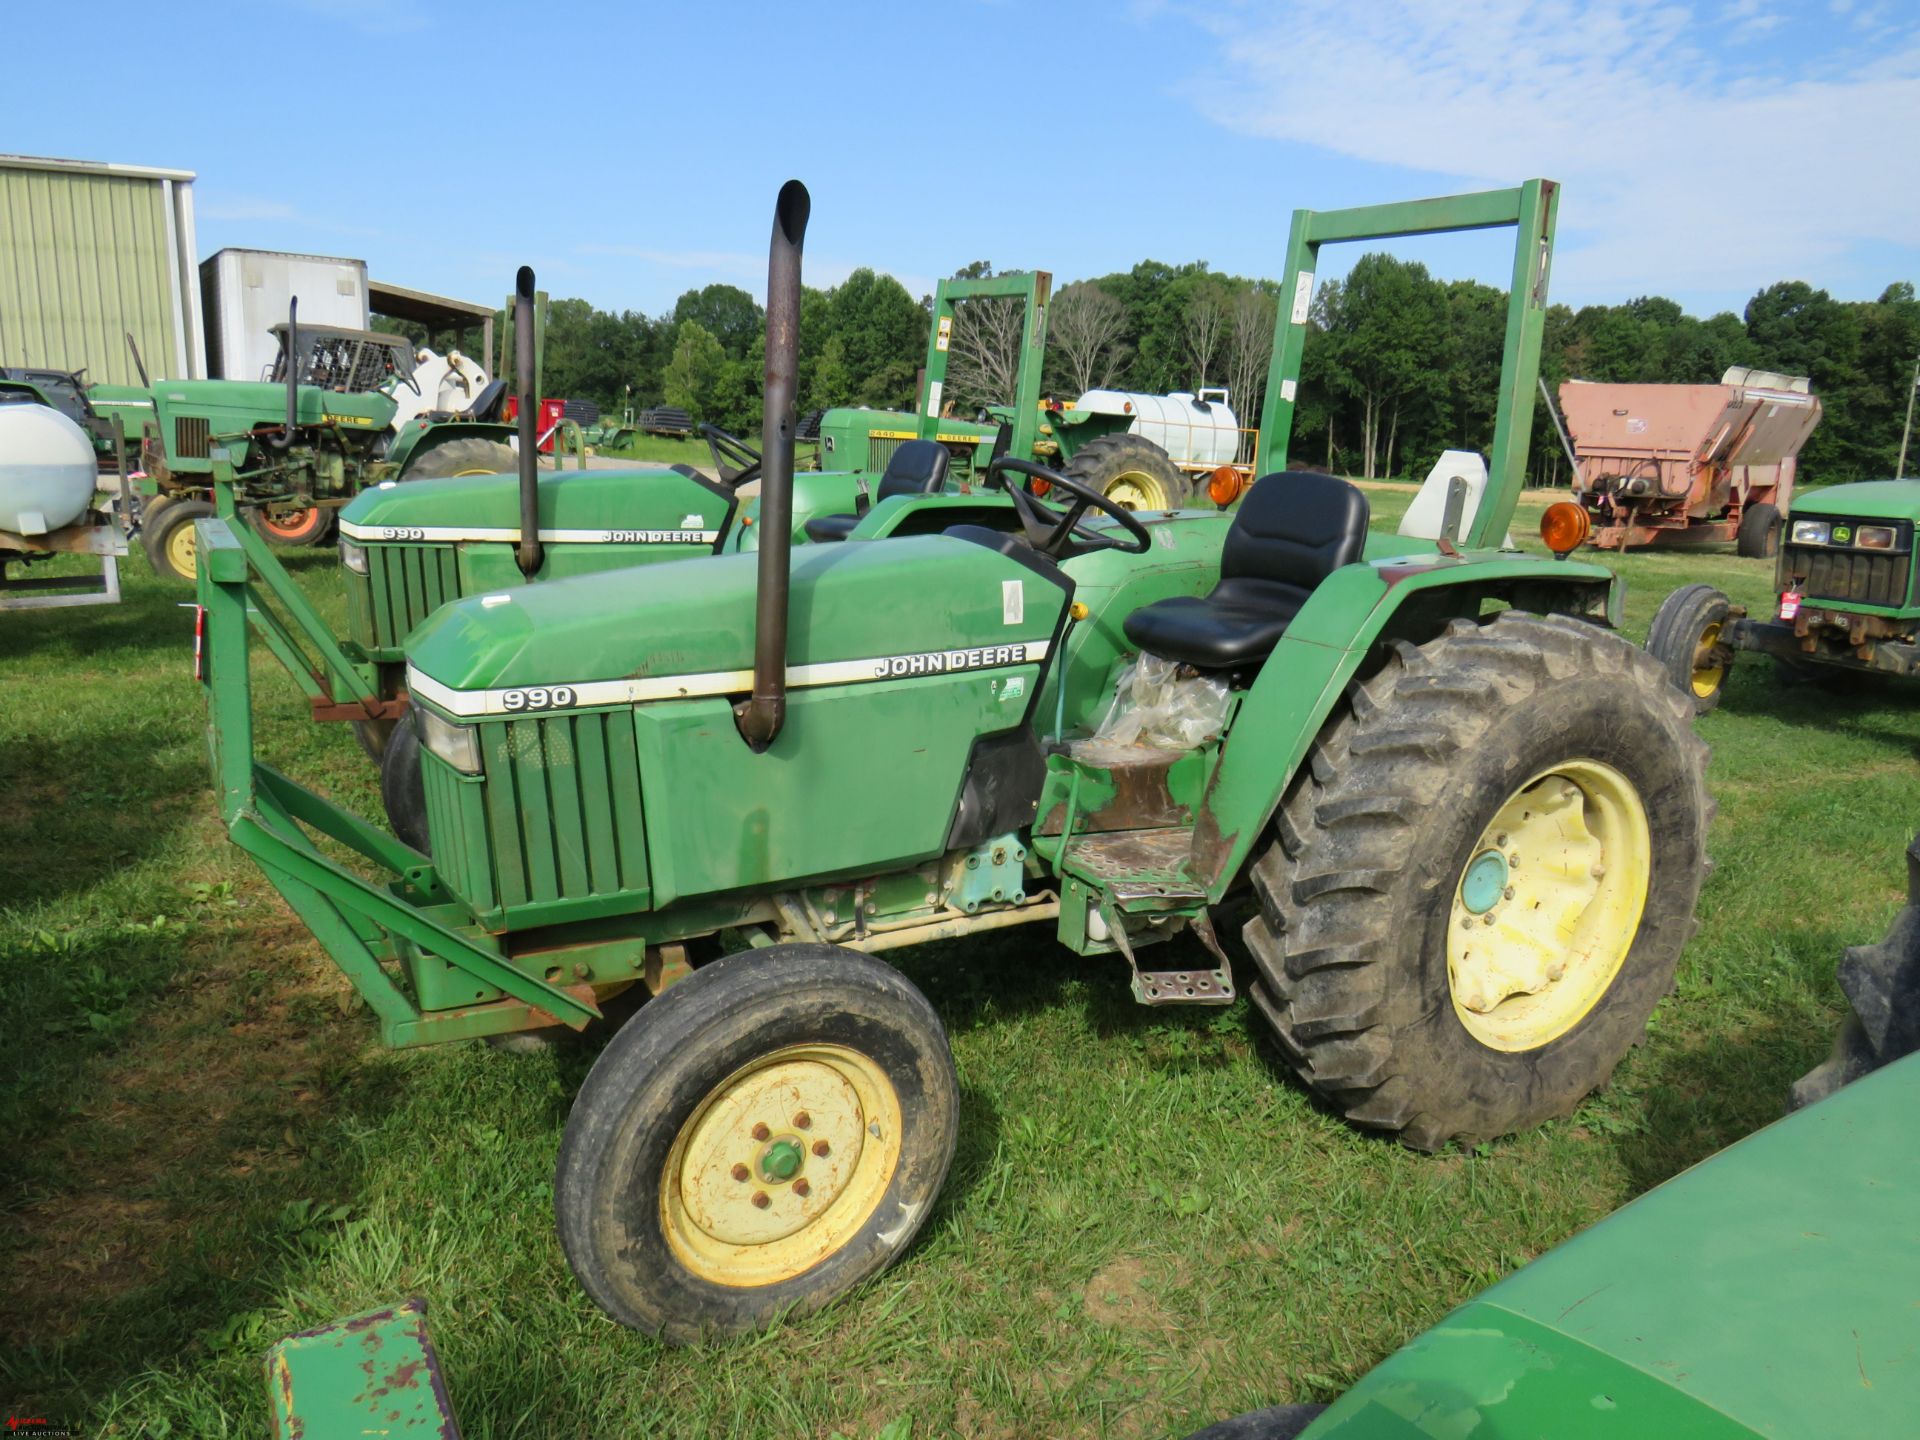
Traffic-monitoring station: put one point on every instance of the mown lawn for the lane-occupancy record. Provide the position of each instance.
(1149, 1225)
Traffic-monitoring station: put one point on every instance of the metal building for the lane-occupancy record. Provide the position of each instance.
(91, 253)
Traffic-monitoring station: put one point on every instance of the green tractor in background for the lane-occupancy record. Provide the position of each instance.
(1459, 824)
(1093, 448)
(1847, 605)
(296, 447)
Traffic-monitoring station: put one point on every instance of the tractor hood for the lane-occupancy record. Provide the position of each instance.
(1866, 500)
(686, 628)
(635, 506)
(235, 406)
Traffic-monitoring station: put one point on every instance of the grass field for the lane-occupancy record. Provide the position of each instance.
(1148, 1225)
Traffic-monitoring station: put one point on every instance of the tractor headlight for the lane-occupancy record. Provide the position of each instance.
(353, 555)
(1811, 532)
(1875, 537)
(458, 745)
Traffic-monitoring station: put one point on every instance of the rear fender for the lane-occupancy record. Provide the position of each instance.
(1352, 612)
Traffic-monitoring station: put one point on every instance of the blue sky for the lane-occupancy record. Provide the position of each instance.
(1706, 148)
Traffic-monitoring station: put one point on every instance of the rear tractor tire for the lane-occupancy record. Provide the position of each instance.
(173, 548)
(1478, 888)
(463, 457)
(1132, 470)
(763, 1136)
(311, 525)
(1758, 537)
(1685, 639)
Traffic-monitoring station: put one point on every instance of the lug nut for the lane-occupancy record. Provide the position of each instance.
(760, 1200)
(1487, 919)
(801, 1188)
(803, 1121)
(1509, 892)
(820, 1147)
(1501, 840)
(760, 1131)
(740, 1172)
(1599, 872)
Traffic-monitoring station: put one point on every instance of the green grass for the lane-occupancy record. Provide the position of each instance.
(652, 448)
(1148, 1225)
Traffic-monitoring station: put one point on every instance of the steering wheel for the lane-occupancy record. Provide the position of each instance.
(737, 461)
(1051, 530)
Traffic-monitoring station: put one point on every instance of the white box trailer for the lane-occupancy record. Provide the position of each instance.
(245, 292)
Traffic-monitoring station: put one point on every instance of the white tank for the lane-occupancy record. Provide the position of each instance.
(1196, 430)
(47, 474)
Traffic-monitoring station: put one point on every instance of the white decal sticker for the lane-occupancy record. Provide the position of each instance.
(1013, 687)
(1636, 426)
(1302, 296)
(1013, 602)
(1289, 389)
(691, 522)
(945, 337)
(933, 399)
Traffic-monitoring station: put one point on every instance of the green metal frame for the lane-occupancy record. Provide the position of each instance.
(1530, 208)
(1033, 288)
(365, 927)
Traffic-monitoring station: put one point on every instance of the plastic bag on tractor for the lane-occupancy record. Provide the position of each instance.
(1155, 704)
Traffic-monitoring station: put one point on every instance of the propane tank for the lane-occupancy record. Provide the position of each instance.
(1194, 430)
(47, 474)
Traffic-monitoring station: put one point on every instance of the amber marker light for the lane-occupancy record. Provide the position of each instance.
(1564, 527)
(1223, 488)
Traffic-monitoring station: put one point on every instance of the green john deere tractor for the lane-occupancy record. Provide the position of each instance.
(1459, 823)
(1093, 448)
(295, 448)
(1847, 605)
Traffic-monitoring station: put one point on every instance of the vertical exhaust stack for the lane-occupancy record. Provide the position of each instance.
(528, 415)
(761, 717)
(285, 437)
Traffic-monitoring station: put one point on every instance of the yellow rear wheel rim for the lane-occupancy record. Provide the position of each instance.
(781, 1165)
(473, 470)
(1138, 490)
(182, 550)
(1547, 906)
(1707, 676)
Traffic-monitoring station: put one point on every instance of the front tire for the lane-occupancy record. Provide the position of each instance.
(1479, 887)
(760, 1138)
(1134, 471)
(462, 457)
(1758, 537)
(173, 548)
(1685, 639)
(402, 789)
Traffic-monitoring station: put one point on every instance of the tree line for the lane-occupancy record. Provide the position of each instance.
(1399, 365)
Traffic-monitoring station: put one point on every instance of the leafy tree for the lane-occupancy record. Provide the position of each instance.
(695, 373)
(726, 312)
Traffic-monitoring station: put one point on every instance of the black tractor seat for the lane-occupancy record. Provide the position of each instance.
(918, 467)
(1292, 530)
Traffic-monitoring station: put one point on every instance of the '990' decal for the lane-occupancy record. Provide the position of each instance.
(539, 697)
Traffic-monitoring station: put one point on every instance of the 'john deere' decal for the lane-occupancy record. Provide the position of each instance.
(941, 662)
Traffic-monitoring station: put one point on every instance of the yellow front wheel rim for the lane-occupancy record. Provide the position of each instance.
(1137, 490)
(781, 1165)
(472, 470)
(1707, 676)
(1547, 905)
(183, 550)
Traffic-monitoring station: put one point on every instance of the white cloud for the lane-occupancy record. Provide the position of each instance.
(750, 271)
(1688, 166)
(253, 210)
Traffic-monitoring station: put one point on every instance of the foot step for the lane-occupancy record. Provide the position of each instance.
(1183, 987)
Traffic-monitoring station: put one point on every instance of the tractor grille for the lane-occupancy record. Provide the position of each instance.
(1856, 577)
(880, 450)
(552, 826)
(192, 437)
(405, 584)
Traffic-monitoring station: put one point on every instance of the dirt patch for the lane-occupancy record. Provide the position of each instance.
(1121, 1294)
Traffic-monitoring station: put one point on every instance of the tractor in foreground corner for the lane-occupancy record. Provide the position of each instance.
(1846, 606)
(1457, 823)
